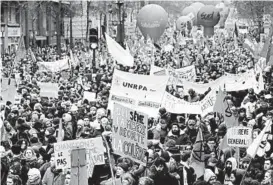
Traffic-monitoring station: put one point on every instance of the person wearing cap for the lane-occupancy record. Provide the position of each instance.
(209, 177)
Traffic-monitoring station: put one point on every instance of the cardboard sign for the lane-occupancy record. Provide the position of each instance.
(94, 152)
(130, 133)
(90, 96)
(239, 136)
(49, 90)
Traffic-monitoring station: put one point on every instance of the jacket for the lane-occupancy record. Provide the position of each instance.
(53, 177)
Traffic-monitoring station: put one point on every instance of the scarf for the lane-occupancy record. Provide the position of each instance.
(185, 175)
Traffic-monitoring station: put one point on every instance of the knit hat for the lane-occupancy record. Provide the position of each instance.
(124, 166)
(208, 175)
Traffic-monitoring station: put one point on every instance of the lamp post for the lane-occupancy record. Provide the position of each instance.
(3, 41)
(94, 46)
(120, 38)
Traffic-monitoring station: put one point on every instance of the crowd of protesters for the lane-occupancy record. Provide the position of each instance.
(32, 125)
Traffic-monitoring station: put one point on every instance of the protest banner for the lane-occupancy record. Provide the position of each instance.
(49, 89)
(94, 152)
(177, 75)
(90, 96)
(130, 128)
(54, 66)
(239, 136)
(139, 91)
(179, 106)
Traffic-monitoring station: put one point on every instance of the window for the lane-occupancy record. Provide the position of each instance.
(17, 15)
(10, 12)
(2, 13)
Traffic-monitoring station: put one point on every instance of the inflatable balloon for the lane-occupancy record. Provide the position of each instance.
(190, 11)
(223, 17)
(220, 6)
(152, 20)
(182, 22)
(208, 16)
(197, 6)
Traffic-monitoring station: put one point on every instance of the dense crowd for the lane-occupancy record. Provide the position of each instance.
(32, 124)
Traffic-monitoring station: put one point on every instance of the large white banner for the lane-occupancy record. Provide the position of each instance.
(54, 66)
(229, 82)
(179, 106)
(140, 92)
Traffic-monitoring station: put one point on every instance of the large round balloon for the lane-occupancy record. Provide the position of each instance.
(152, 20)
(220, 6)
(182, 22)
(190, 10)
(208, 16)
(197, 6)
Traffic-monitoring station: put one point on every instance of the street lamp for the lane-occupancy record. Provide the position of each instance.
(120, 38)
(93, 39)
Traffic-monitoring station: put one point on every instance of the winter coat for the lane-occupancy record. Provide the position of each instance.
(4, 169)
(53, 177)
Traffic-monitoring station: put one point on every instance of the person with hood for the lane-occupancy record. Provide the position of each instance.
(209, 177)
(230, 166)
(159, 173)
(52, 175)
(80, 128)
(212, 165)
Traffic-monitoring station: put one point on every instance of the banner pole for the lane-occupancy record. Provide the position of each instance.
(109, 156)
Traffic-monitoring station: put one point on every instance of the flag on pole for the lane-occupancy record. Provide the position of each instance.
(21, 51)
(248, 44)
(255, 145)
(33, 58)
(221, 106)
(198, 155)
(119, 53)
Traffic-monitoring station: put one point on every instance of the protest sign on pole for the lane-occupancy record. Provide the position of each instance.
(239, 136)
(130, 133)
(94, 152)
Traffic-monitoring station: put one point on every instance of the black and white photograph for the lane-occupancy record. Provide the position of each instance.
(136, 92)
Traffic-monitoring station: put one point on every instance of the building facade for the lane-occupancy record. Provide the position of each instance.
(35, 20)
(10, 26)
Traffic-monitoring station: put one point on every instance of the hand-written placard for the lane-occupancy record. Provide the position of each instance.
(130, 133)
(94, 152)
(239, 136)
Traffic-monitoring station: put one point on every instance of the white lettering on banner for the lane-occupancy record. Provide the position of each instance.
(130, 133)
(94, 151)
(239, 136)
